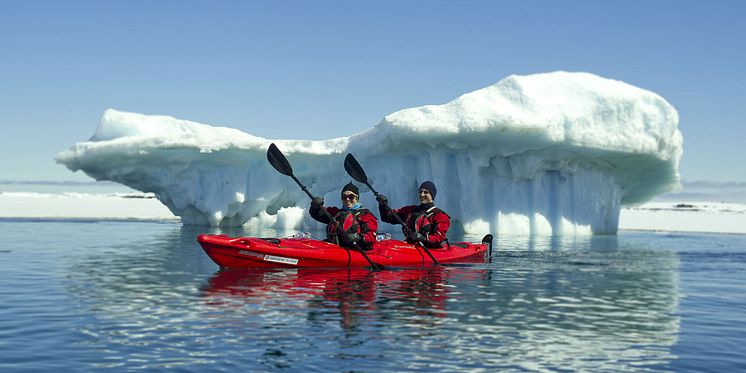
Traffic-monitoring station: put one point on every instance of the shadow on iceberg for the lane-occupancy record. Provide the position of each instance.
(555, 153)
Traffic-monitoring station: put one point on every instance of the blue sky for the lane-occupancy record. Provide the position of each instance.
(316, 70)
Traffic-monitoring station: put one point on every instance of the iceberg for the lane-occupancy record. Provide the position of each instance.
(554, 153)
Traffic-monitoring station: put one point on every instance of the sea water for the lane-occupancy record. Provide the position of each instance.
(83, 295)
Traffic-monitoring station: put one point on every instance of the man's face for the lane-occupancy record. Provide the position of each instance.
(425, 196)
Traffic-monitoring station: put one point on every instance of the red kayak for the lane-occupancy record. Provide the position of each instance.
(251, 252)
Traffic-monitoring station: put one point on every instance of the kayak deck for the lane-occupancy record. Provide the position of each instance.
(252, 252)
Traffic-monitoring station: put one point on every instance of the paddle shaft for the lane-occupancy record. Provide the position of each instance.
(289, 172)
(303, 187)
(400, 221)
(339, 227)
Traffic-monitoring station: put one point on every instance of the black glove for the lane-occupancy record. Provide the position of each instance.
(352, 238)
(415, 237)
(382, 199)
(317, 201)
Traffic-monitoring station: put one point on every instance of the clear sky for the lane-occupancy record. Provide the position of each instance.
(323, 69)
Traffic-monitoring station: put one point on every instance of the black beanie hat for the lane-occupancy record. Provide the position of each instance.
(352, 188)
(430, 188)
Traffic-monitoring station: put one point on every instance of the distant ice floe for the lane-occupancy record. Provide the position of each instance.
(554, 153)
(709, 217)
(75, 206)
(694, 216)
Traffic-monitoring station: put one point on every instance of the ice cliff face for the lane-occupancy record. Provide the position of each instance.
(554, 153)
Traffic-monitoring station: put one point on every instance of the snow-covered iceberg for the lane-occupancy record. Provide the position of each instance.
(552, 153)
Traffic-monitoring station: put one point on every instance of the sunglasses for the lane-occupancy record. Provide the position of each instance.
(349, 197)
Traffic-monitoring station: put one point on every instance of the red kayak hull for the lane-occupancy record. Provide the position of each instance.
(251, 252)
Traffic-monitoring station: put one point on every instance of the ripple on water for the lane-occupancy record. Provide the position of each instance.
(144, 296)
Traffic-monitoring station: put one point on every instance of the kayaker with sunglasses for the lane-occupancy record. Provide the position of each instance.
(358, 224)
(427, 223)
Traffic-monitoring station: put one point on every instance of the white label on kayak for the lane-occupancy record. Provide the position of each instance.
(279, 259)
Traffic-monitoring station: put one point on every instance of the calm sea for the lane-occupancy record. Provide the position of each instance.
(80, 296)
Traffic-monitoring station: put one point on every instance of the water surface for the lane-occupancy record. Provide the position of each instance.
(137, 295)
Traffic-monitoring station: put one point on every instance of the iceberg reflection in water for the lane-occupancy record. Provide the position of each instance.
(145, 296)
(553, 303)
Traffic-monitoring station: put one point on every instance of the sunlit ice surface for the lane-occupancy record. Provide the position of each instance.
(555, 153)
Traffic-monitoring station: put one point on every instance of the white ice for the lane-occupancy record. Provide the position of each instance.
(86, 206)
(553, 153)
(668, 216)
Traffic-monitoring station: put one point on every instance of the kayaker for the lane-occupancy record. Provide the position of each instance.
(427, 223)
(359, 225)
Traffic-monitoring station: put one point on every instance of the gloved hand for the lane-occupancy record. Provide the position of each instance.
(382, 199)
(352, 239)
(317, 201)
(415, 237)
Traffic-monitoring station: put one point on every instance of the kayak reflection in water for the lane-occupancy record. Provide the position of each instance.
(353, 225)
(357, 293)
(427, 223)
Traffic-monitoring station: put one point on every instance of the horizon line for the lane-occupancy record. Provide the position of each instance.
(99, 182)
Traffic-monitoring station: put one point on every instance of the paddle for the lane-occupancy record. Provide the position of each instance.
(352, 166)
(281, 164)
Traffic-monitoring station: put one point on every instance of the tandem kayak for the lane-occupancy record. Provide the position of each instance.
(252, 252)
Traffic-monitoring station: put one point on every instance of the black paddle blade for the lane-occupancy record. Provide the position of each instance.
(354, 169)
(278, 160)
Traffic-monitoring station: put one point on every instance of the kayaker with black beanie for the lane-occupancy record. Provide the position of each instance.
(427, 223)
(358, 224)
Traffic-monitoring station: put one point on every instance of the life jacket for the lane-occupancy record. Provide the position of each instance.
(422, 221)
(350, 222)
